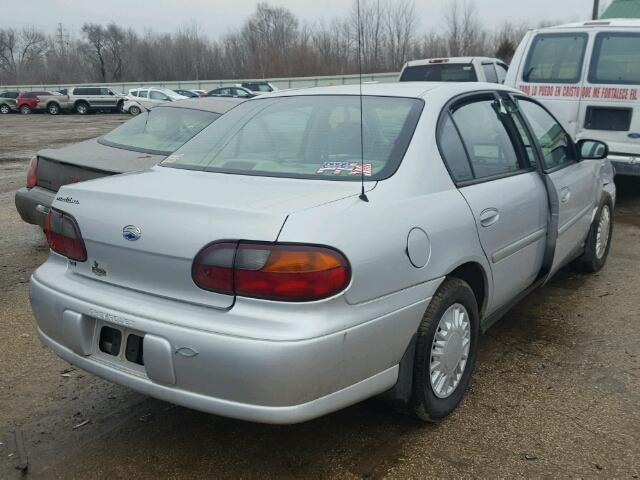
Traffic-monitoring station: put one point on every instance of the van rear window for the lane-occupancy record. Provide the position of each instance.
(555, 58)
(616, 59)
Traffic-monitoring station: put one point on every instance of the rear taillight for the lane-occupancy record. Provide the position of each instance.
(32, 173)
(63, 235)
(283, 272)
(126, 99)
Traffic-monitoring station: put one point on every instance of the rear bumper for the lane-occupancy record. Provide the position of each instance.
(34, 203)
(625, 164)
(255, 379)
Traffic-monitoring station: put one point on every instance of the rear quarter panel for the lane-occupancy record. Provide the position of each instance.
(373, 235)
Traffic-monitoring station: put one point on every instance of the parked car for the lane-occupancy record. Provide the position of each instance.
(258, 87)
(8, 102)
(135, 145)
(455, 69)
(188, 93)
(84, 100)
(144, 99)
(201, 93)
(588, 74)
(272, 271)
(233, 91)
(42, 100)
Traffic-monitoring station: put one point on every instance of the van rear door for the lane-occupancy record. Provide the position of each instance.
(609, 107)
(552, 72)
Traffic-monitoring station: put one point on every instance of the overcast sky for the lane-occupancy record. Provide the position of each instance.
(217, 16)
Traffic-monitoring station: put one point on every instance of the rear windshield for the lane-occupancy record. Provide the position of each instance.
(315, 137)
(440, 72)
(159, 131)
(555, 58)
(616, 59)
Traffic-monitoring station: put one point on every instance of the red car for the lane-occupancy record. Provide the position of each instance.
(28, 102)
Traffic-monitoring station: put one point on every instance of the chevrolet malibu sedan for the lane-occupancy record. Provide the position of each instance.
(135, 145)
(273, 270)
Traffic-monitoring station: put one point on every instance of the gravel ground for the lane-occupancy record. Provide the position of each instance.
(556, 392)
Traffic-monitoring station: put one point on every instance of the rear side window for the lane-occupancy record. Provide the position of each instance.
(616, 59)
(486, 140)
(502, 72)
(453, 152)
(490, 72)
(555, 58)
(440, 72)
(553, 140)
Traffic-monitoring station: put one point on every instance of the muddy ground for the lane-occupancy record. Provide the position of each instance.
(556, 392)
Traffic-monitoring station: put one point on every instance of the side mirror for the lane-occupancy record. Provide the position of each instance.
(592, 150)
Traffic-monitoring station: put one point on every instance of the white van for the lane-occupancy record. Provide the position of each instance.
(588, 75)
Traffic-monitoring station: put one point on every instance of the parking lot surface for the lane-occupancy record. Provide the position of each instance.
(556, 391)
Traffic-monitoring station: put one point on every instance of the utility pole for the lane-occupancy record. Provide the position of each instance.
(596, 10)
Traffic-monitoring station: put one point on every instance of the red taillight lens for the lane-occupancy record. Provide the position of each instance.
(32, 173)
(63, 235)
(283, 272)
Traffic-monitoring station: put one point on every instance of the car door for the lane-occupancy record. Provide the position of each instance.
(503, 190)
(575, 183)
(610, 105)
(143, 98)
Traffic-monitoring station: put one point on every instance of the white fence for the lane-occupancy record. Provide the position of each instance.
(294, 82)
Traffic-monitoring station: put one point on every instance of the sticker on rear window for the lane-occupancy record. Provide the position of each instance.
(337, 168)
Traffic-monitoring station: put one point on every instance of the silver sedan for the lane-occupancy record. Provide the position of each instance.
(311, 249)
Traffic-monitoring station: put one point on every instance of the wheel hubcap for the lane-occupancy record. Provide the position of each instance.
(4, 109)
(450, 350)
(602, 234)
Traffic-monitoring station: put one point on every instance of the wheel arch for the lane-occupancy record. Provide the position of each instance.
(475, 275)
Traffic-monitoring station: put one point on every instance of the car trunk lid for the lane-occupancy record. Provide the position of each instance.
(86, 161)
(178, 212)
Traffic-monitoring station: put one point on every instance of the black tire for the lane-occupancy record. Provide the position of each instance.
(133, 110)
(53, 108)
(426, 405)
(120, 107)
(593, 260)
(82, 108)
(26, 109)
(5, 109)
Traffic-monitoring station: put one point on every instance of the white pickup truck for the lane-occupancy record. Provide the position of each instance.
(455, 69)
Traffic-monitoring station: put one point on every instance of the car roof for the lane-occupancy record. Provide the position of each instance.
(594, 24)
(208, 104)
(428, 61)
(397, 89)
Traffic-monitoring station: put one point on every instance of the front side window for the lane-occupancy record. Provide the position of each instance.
(105, 91)
(160, 131)
(315, 137)
(616, 59)
(555, 58)
(440, 72)
(553, 140)
(485, 137)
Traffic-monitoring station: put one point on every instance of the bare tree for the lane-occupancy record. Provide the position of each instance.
(21, 51)
(464, 34)
(97, 43)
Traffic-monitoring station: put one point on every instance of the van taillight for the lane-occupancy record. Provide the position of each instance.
(283, 272)
(32, 173)
(63, 235)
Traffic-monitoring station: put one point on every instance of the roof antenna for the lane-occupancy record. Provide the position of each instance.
(363, 195)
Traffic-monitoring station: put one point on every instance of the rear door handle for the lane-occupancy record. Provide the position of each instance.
(489, 216)
(565, 195)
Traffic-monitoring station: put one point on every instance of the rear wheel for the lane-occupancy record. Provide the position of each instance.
(25, 109)
(446, 350)
(4, 109)
(53, 109)
(82, 108)
(133, 110)
(599, 240)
